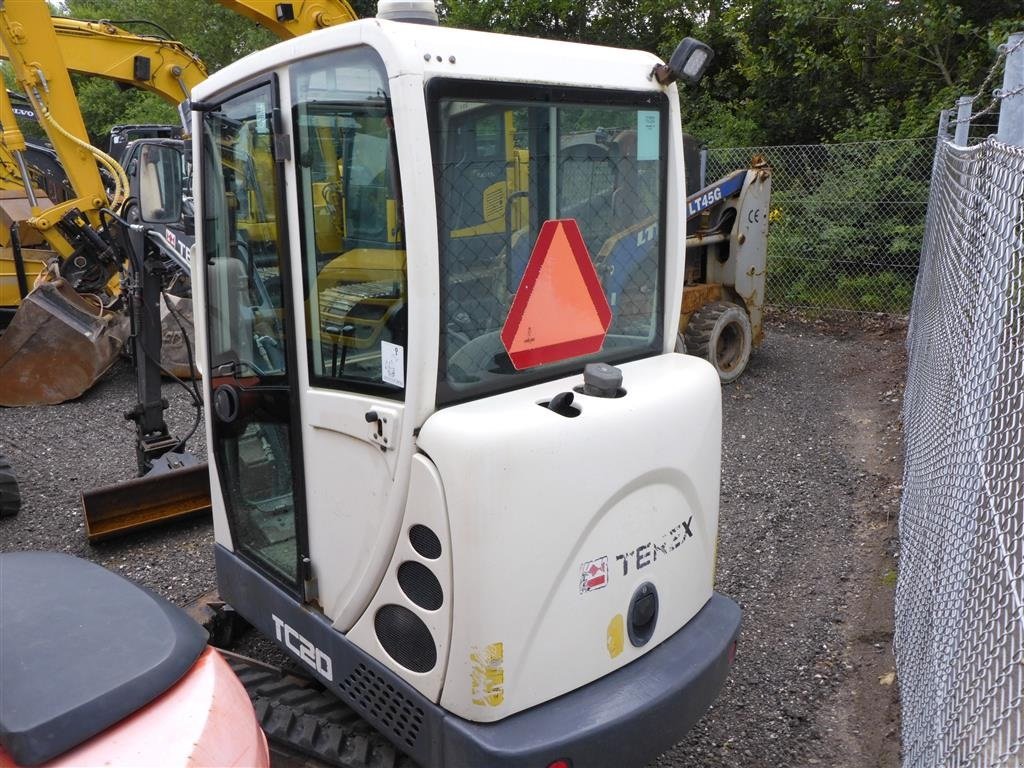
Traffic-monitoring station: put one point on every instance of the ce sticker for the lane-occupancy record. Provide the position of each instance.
(754, 216)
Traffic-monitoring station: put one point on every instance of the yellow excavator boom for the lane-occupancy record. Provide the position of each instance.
(165, 67)
(55, 338)
(98, 48)
(287, 20)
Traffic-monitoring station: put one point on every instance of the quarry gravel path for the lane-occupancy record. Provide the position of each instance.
(811, 469)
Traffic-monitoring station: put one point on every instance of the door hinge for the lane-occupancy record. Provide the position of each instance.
(310, 588)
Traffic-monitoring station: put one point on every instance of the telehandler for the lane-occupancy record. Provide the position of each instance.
(446, 471)
(726, 259)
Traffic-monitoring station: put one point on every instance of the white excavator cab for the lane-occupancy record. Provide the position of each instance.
(456, 467)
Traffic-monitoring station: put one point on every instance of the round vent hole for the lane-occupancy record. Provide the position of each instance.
(425, 542)
(405, 638)
(420, 585)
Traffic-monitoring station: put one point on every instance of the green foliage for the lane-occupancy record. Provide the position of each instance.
(789, 71)
(105, 104)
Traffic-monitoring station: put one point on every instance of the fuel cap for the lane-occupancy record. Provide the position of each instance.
(643, 614)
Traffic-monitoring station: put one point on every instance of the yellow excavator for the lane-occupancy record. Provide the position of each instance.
(73, 323)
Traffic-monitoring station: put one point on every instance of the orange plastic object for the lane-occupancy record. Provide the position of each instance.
(560, 310)
(206, 719)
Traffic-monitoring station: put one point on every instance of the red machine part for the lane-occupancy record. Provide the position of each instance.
(205, 719)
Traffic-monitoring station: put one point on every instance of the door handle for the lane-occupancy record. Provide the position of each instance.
(226, 403)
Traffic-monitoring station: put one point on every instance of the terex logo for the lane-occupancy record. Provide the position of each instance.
(304, 649)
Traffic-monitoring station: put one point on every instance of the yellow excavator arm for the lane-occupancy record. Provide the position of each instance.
(165, 67)
(287, 20)
(44, 51)
(31, 43)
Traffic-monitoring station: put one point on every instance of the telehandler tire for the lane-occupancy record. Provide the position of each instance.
(720, 333)
(10, 496)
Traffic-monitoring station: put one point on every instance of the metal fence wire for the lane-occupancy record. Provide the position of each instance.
(847, 221)
(959, 603)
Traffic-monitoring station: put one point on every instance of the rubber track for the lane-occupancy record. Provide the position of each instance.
(10, 496)
(300, 715)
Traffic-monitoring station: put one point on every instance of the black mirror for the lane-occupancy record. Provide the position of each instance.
(688, 63)
(158, 182)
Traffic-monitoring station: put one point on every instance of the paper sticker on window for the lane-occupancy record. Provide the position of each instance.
(648, 134)
(261, 118)
(392, 367)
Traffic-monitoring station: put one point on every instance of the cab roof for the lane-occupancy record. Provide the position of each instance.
(429, 51)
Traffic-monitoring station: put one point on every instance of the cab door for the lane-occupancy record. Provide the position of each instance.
(353, 267)
(251, 385)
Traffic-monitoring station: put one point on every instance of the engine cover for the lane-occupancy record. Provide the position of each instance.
(580, 539)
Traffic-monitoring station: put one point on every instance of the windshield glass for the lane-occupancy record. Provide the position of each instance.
(506, 161)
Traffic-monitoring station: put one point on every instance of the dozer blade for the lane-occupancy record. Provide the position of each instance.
(145, 501)
(56, 347)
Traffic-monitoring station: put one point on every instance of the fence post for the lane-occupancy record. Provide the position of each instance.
(1011, 110)
(963, 120)
(944, 124)
(703, 165)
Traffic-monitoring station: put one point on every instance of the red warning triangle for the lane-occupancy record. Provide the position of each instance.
(560, 310)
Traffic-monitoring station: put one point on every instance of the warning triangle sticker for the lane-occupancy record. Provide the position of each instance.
(560, 310)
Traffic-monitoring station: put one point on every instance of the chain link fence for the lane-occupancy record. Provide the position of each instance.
(847, 221)
(959, 603)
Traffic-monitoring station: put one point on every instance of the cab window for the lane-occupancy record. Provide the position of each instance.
(353, 239)
(508, 159)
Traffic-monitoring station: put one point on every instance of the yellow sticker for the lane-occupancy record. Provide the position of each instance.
(616, 635)
(488, 675)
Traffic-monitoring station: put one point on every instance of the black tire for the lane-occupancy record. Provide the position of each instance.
(720, 333)
(10, 496)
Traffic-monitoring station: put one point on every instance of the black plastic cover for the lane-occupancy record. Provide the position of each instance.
(80, 649)
(626, 718)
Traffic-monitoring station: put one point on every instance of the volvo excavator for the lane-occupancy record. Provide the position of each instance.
(78, 315)
(98, 288)
(72, 326)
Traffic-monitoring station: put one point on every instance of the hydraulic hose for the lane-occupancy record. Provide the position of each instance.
(112, 166)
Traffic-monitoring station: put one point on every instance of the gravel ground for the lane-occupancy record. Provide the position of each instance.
(811, 467)
(810, 470)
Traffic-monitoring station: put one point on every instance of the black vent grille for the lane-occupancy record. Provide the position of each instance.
(405, 637)
(378, 699)
(420, 585)
(425, 542)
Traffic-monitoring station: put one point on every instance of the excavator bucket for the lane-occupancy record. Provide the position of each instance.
(145, 501)
(56, 346)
